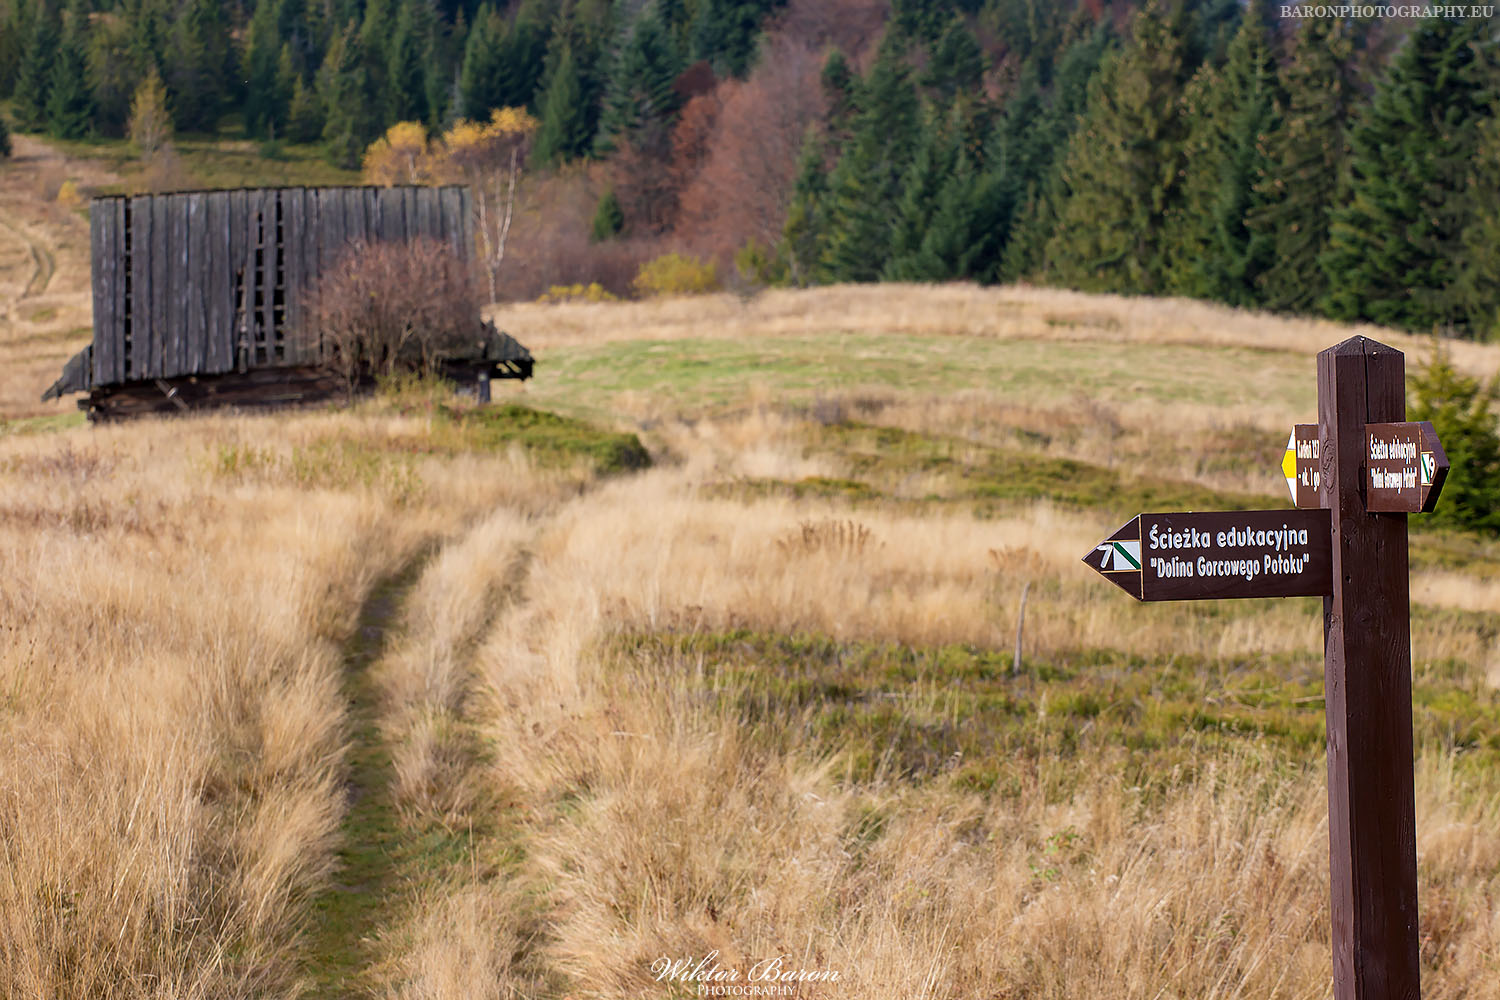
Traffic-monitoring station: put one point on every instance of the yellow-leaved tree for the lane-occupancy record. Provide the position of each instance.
(398, 157)
(486, 156)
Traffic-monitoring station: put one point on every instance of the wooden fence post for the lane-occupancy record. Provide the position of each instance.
(1367, 681)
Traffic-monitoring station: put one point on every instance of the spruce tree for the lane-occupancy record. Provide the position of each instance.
(198, 64)
(1478, 282)
(868, 178)
(70, 103)
(407, 68)
(1213, 252)
(1307, 153)
(15, 28)
(350, 122)
(261, 60)
(4, 138)
(565, 131)
(305, 115)
(804, 233)
(1395, 240)
(479, 80)
(34, 78)
(639, 91)
(841, 91)
(956, 64)
(1122, 170)
(609, 218)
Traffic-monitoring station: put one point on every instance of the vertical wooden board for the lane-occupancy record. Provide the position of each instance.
(330, 227)
(99, 280)
(218, 282)
(140, 288)
(248, 336)
(409, 228)
(428, 218)
(466, 223)
(354, 216)
(312, 243)
(235, 209)
(450, 209)
(106, 217)
(392, 214)
(118, 305)
(179, 281)
(292, 222)
(161, 210)
(271, 275)
(195, 333)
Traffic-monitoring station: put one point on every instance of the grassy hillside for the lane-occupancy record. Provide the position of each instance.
(423, 701)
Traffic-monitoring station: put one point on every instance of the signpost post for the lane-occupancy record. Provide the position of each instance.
(1353, 477)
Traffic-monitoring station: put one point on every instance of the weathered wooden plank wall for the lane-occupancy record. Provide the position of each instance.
(209, 282)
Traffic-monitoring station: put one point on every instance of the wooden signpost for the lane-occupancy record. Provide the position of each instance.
(1354, 476)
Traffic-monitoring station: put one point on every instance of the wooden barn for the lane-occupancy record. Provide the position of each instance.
(198, 296)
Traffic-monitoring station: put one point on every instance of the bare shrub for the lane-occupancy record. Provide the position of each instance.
(388, 307)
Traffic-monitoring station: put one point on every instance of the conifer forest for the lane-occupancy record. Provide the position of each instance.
(1215, 149)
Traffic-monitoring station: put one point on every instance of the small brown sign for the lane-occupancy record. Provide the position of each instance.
(1301, 467)
(1404, 467)
(1219, 554)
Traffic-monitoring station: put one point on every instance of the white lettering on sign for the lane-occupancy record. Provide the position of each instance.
(1278, 539)
(1395, 448)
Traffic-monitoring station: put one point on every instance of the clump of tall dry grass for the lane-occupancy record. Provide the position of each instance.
(664, 824)
(171, 716)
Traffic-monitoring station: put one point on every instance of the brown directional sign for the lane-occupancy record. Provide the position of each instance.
(1219, 554)
(1353, 477)
(1301, 467)
(1404, 467)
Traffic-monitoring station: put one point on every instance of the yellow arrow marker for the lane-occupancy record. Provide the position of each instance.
(1289, 465)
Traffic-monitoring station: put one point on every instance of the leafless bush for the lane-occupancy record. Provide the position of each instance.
(388, 307)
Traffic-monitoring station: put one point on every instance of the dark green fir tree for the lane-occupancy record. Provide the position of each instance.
(1122, 171)
(407, 64)
(804, 232)
(1307, 153)
(1396, 238)
(609, 218)
(869, 177)
(198, 66)
(565, 131)
(1213, 252)
(70, 103)
(956, 63)
(34, 77)
(350, 118)
(262, 107)
(639, 93)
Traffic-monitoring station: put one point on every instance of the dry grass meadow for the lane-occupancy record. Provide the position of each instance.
(416, 700)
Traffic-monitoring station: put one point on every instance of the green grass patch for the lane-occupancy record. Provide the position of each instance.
(552, 439)
(216, 162)
(704, 376)
(42, 425)
(958, 714)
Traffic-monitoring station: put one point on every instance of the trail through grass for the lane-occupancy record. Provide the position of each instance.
(361, 898)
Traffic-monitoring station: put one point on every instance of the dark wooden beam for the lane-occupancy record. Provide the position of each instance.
(1367, 678)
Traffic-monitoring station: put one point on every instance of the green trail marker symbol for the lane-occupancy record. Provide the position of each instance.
(1353, 476)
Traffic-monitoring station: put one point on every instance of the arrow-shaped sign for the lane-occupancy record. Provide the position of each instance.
(1219, 554)
(1405, 467)
(1300, 466)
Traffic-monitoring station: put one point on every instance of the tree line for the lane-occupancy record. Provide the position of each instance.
(1205, 148)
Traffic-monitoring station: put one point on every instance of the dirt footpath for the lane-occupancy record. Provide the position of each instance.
(45, 309)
